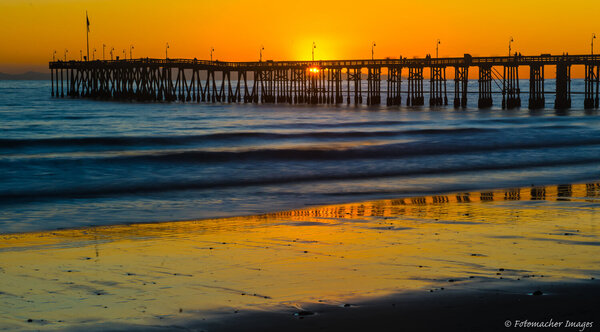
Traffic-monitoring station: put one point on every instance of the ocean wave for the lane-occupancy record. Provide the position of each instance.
(317, 125)
(118, 188)
(319, 152)
(243, 135)
(313, 151)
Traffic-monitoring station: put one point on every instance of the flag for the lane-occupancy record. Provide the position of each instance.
(87, 21)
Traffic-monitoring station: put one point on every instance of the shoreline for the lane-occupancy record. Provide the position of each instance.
(316, 206)
(500, 244)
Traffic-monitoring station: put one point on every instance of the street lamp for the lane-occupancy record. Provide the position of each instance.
(54, 56)
(80, 55)
(373, 50)
(262, 48)
(167, 51)
(124, 55)
(131, 52)
(437, 45)
(103, 47)
(66, 51)
(313, 51)
(593, 37)
(212, 49)
(94, 54)
(509, 45)
(111, 53)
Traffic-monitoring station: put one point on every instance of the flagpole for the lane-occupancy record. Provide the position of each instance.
(87, 35)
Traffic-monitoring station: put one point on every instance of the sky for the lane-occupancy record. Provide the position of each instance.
(30, 31)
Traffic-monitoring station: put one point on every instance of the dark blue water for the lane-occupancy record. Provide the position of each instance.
(71, 163)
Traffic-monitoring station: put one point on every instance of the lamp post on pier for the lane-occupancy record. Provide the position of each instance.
(437, 45)
(103, 47)
(80, 55)
(167, 51)
(54, 56)
(212, 49)
(94, 54)
(111, 53)
(593, 37)
(313, 51)
(373, 50)
(131, 52)
(66, 51)
(510, 44)
(124, 55)
(262, 48)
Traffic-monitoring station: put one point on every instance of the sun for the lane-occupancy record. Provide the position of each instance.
(314, 70)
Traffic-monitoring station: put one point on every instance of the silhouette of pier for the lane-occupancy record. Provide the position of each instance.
(324, 82)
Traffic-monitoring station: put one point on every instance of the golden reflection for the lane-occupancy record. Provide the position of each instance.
(143, 273)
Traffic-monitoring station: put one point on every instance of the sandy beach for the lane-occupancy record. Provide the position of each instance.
(461, 261)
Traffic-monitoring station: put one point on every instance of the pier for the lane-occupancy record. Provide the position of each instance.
(325, 82)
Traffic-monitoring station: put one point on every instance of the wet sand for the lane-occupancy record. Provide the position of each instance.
(462, 261)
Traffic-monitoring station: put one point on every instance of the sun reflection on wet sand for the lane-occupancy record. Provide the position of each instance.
(148, 273)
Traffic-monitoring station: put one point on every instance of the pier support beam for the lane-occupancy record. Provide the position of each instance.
(536, 87)
(485, 87)
(415, 87)
(314, 87)
(171, 96)
(254, 95)
(68, 86)
(354, 75)
(335, 92)
(227, 94)
(62, 88)
(56, 93)
(394, 84)
(280, 86)
(592, 74)
(374, 86)
(266, 86)
(461, 82)
(243, 75)
(511, 93)
(563, 85)
(211, 87)
(298, 85)
(437, 88)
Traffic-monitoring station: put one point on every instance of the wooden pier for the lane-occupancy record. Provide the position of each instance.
(323, 82)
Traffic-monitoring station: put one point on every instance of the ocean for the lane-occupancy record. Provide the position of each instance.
(73, 162)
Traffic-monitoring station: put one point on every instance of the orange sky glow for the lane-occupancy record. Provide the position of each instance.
(32, 30)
